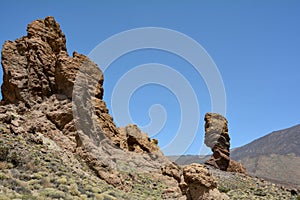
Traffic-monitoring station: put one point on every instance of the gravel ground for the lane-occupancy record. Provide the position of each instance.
(239, 186)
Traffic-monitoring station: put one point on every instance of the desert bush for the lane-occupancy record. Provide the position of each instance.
(53, 193)
(259, 192)
(3, 152)
(223, 189)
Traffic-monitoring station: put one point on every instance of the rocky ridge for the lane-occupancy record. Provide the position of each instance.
(58, 140)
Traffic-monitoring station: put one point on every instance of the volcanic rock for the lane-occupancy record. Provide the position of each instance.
(30, 63)
(138, 141)
(235, 166)
(217, 138)
(201, 184)
(53, 121)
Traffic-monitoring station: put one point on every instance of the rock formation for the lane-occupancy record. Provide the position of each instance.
(55, 126)
(217, 138)
(201, 184)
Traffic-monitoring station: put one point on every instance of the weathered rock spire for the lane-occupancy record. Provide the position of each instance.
(217, 138)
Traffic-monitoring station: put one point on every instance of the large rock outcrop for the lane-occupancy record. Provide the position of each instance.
(33, 65)
(53, 112)
(217, 138)
(37, 66)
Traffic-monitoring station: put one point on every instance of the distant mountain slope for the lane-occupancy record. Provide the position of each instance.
(275, 156)
(188, 159)
(281, 142)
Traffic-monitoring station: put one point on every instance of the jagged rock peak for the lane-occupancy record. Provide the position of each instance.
(49, 31)
(37, 66)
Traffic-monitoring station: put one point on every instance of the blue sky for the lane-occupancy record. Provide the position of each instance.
(254, 44)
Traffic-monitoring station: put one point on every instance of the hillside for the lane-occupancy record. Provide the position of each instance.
(282, 142)
(275, 156)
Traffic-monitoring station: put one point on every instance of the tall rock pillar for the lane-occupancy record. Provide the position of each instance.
(217, 138)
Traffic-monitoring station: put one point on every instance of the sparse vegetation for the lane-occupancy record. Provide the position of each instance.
(223, 189)
(46, 176)
(242, 187)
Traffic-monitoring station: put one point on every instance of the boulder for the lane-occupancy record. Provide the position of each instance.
(201, 184)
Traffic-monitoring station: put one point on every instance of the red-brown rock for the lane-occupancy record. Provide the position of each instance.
(217, 138)
(201, 184)
(235, 166)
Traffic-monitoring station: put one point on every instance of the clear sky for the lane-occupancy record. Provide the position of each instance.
(254, 44)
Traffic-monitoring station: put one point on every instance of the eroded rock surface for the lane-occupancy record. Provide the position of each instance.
(201, 184)
(53, 119)
(30, 64)
(217, 138)
(235, 166)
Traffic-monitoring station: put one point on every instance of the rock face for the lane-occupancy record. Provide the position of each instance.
(217, 138)
(53, 114)
(235, 166)
(32, 65)
(37, 66)
(201, 184)
(137, 141)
